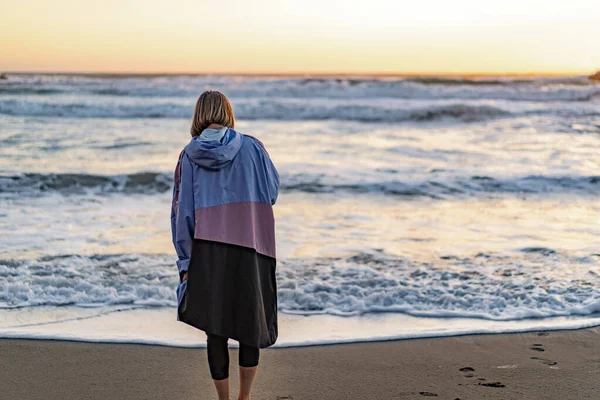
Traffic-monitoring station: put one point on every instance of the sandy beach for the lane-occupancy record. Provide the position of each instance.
(538, 365)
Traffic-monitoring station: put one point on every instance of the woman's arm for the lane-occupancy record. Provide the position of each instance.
(273, 179)
(270, 170)
(182, 213)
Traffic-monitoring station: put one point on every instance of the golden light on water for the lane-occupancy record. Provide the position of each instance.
(310, 36)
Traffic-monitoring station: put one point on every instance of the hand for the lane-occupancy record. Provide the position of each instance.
(185, 276)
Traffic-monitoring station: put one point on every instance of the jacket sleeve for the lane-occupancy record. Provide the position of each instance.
(273, 179)
(271, 173)
(182, 213)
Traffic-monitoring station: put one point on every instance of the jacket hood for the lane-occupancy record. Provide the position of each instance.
(214, 154)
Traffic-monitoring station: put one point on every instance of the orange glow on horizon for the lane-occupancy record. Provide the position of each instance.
(379, 37)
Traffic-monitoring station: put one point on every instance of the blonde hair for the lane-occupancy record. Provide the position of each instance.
(212, 107)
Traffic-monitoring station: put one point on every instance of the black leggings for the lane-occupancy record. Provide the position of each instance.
(218, 356)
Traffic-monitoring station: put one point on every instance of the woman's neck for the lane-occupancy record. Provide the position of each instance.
(215, 126)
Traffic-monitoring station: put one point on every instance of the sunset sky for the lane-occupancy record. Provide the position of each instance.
(309, 36)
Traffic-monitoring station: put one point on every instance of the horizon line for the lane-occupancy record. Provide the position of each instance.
(299, 74)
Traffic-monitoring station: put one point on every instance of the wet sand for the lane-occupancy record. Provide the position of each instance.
(538, 365)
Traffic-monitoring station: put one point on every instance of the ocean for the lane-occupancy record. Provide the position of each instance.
(409, 207)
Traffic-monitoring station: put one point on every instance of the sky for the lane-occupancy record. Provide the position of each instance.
(308, 36)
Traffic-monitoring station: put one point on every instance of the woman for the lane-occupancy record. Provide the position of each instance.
(224, 234)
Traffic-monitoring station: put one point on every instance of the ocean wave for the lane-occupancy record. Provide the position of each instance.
(29, 90)
(35, 184)
(472, 81)
(66, 184)
(96, 280)
(257, 110)
(31, 108)
(503, 81)
(456, 187)
(283, 111)
(568, 89)
(487, 286)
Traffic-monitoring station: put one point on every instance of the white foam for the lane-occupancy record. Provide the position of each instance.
(159, 327)
(496, 288)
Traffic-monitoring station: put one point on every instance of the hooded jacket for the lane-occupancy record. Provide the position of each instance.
(224, 192)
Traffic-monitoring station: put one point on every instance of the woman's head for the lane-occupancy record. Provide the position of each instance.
(212, 107)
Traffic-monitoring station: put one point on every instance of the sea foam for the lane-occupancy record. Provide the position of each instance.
(484, 286)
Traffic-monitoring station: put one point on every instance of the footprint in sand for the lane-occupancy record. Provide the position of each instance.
(428, 394)
(492, 384)
(542, 334)
(284, 398)
(467, 372)
(544, 361)
(537, 347)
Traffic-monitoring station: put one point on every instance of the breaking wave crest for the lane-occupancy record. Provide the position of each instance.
(425, 87)
(368, 99)
(154, 182)
(256, 110)
(37, 184)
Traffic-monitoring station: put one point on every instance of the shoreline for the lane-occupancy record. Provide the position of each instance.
(233, 344)
(545, 365)
(159, 327)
